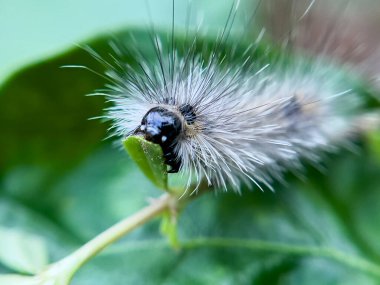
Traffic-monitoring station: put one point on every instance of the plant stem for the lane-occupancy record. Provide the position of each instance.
(69, 265)
(353, 261)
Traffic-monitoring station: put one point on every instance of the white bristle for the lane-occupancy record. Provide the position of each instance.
(254, 119)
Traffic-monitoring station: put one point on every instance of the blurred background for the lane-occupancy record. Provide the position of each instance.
(61, 183)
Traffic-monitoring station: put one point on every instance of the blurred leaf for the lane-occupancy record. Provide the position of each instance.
(21, 251)
(374, 142)
(13, 279)
(149, 158)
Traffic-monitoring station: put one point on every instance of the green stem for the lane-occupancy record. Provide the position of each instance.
(344, 258)
(353, 261)
(69, 265)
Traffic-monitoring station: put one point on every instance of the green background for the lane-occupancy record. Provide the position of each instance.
(61, 184)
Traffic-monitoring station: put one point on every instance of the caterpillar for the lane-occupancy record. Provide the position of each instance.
(227, 113)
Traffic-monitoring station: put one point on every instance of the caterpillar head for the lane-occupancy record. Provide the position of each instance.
(163, 126)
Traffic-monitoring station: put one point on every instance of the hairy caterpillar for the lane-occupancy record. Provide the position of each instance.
(228, 115)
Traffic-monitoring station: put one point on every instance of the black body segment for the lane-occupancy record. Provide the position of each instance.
(188, 113)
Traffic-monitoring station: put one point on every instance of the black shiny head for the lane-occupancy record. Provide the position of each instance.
(162, 127)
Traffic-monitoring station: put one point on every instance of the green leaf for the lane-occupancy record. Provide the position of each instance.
(22, 251)
(149, 158)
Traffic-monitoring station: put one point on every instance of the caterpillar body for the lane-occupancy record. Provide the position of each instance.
(225, 121)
